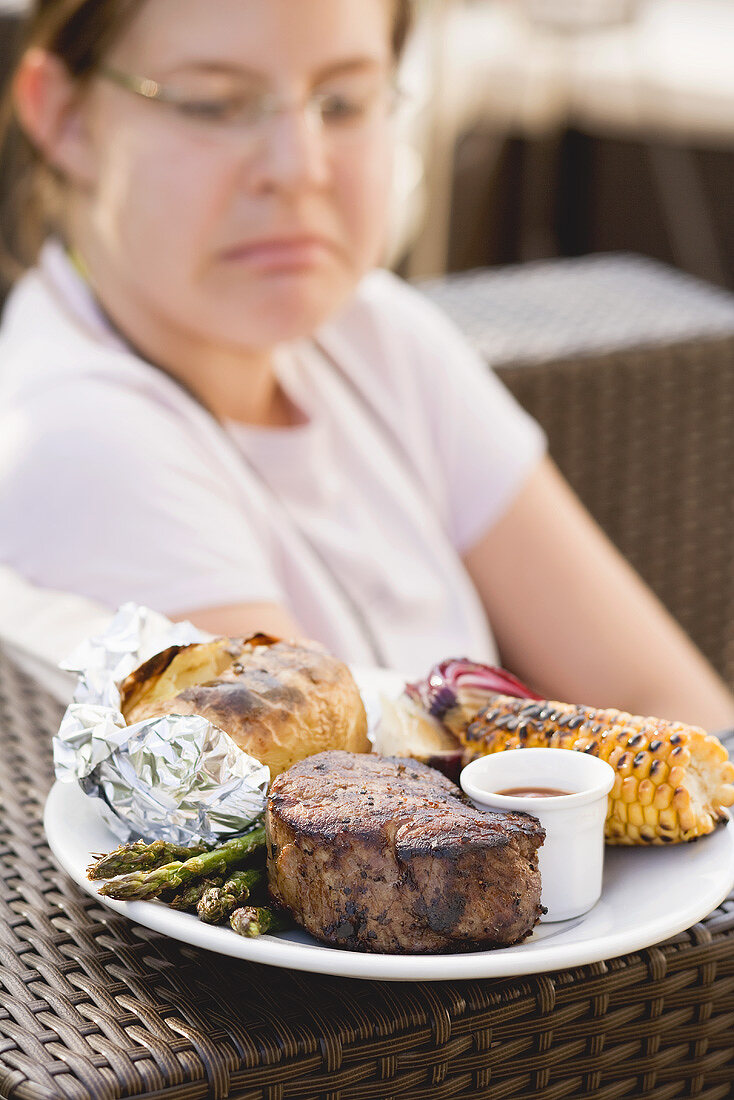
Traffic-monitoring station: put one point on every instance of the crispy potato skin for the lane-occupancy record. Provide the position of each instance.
(279, 701)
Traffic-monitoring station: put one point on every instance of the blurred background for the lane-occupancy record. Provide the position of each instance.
(563, 127)
(541, 128)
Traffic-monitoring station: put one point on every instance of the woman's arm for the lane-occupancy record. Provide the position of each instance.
(574, 619)
(240, 620)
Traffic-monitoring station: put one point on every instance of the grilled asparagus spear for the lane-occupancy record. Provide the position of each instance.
(141, 886)
(251, 920)
(187, 899)
(139, 856)
(218, 901)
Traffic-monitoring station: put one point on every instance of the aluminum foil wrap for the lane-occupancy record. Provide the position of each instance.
(176, 778)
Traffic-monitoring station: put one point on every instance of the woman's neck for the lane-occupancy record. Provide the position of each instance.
(232, 383)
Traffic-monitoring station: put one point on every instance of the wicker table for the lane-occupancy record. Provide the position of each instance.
(93, 1006)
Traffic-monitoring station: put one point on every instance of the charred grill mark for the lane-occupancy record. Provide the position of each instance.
(225, 698)
(443, 912)
(157, 664)
(260, 639)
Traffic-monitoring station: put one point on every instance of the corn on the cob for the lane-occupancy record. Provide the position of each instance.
(672, 782)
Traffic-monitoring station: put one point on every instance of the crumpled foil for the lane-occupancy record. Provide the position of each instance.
(176, 778)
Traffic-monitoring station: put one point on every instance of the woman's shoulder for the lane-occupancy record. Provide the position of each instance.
(86, 435)
(58, 399)
(82, 417)
(62, 378)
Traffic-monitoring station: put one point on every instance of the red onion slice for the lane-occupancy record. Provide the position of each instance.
(456, 681)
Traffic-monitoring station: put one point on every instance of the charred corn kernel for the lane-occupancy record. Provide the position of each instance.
(641, 765)
(681, 799)
(616, 756)
(725, 792)
(651, 816)
(672, 782)
(645, 793)
(663, 797)
(659, 771)
(635, 816)
(677, 776)
(624, 767)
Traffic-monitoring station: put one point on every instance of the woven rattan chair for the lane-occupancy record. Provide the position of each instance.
(93, 1007)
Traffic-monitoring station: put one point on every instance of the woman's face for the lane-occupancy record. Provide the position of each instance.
(241, 232)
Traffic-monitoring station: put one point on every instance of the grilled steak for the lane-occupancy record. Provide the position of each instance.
(376, 853)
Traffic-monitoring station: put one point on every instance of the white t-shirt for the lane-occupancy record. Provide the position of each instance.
(117, 485)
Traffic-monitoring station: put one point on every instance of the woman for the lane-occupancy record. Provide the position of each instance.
(216, 405)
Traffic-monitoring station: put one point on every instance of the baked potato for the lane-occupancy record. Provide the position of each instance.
(278, 701)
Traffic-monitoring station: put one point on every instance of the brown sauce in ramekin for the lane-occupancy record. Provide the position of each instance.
(534, 792)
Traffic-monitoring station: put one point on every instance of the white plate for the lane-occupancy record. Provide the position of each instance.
(648, 895)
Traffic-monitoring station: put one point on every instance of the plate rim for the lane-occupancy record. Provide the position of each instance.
(273, 950)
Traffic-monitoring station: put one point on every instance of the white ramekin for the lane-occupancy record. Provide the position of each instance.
(572, 856)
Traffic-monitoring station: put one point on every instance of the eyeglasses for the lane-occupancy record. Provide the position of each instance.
(336, 112)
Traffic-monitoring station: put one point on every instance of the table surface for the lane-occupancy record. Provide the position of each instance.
(92, 1006)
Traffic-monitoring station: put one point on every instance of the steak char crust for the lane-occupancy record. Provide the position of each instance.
(376, 853)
